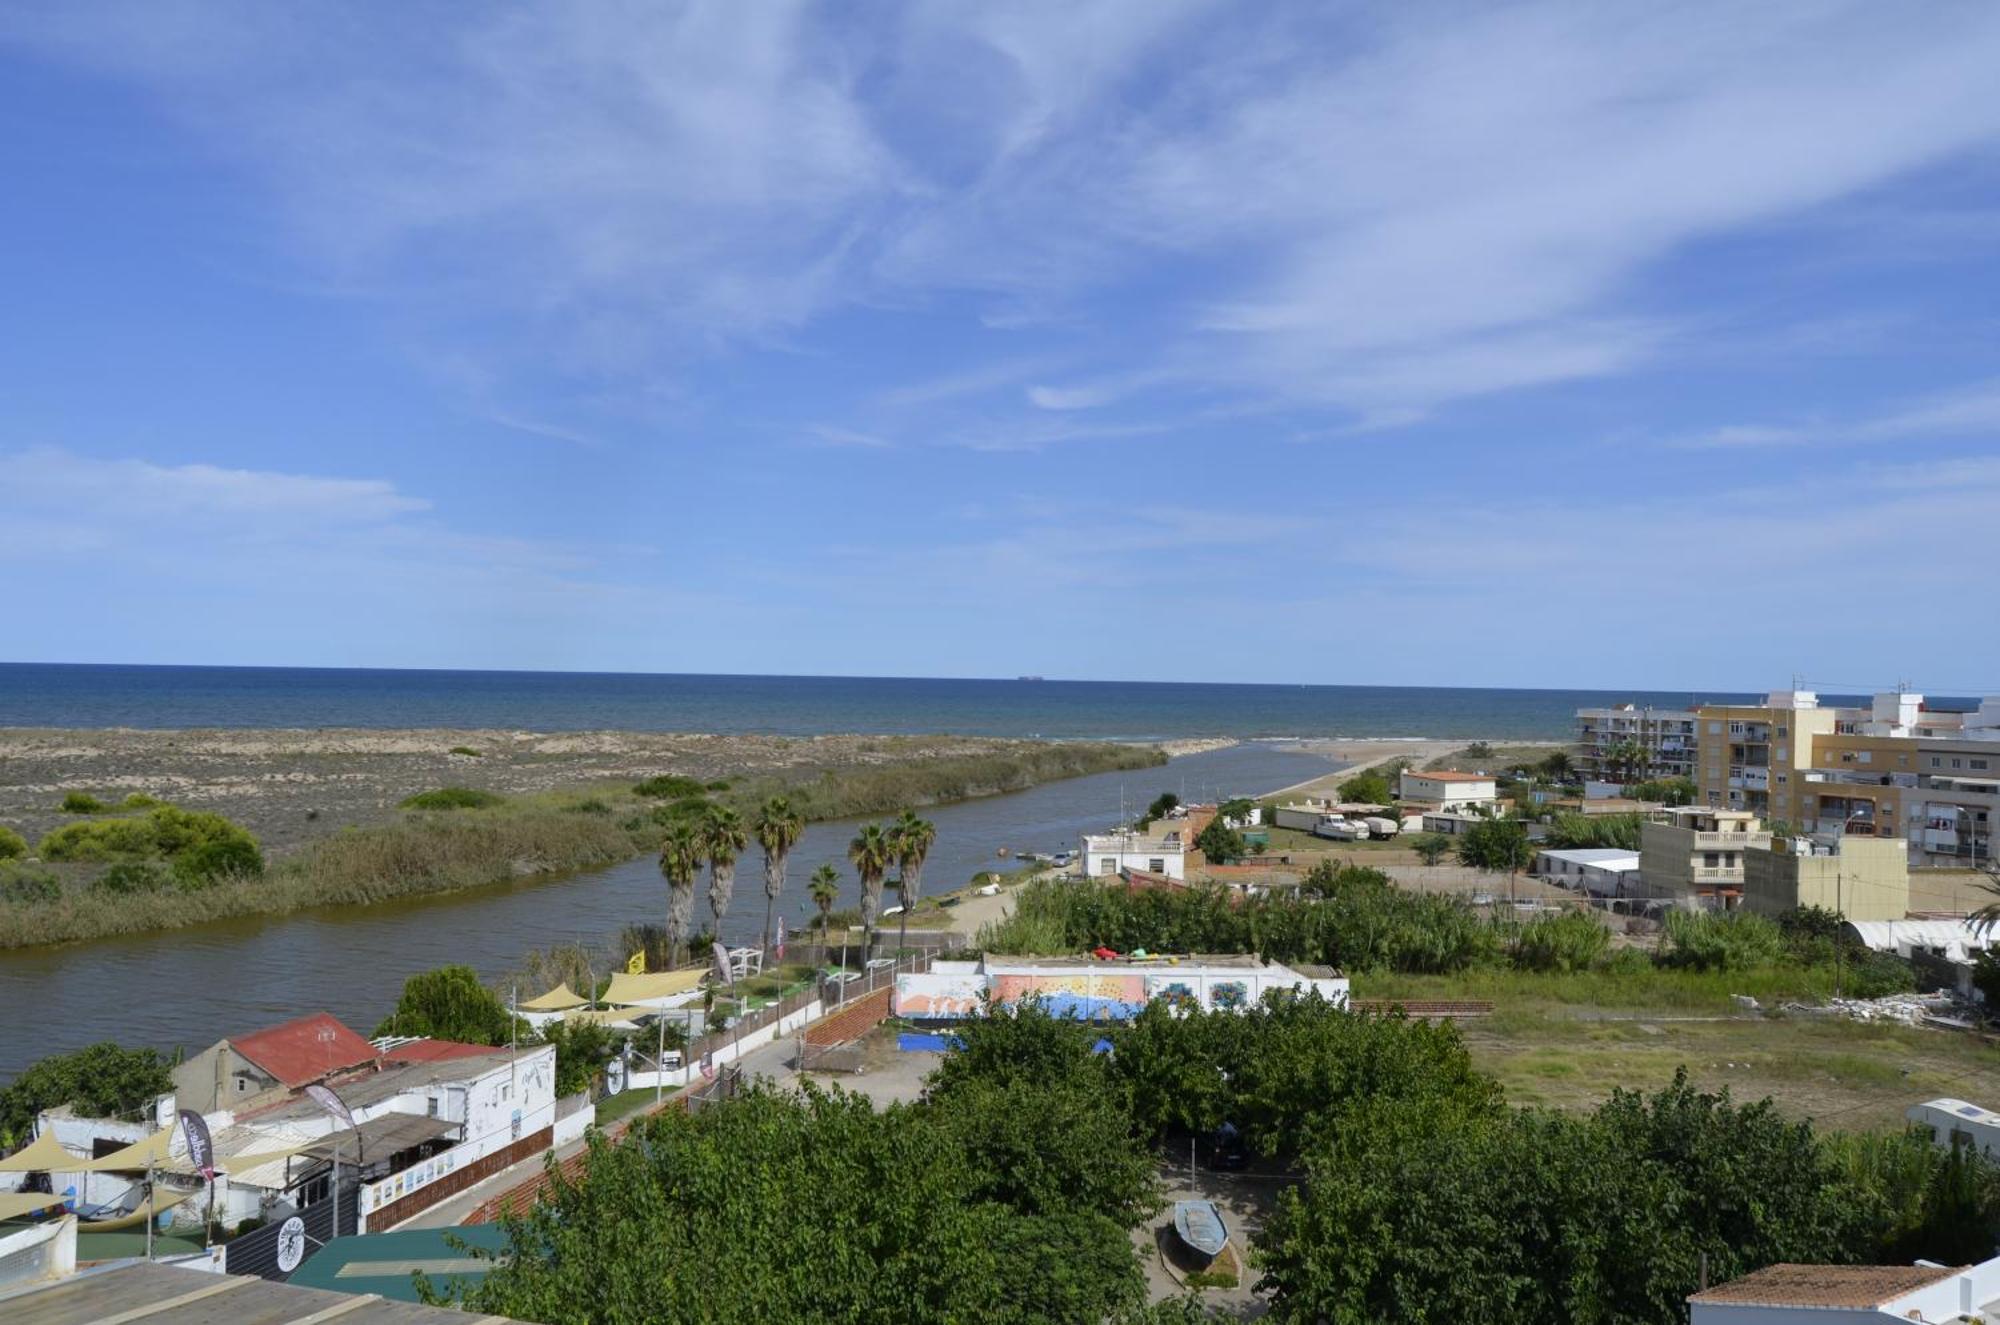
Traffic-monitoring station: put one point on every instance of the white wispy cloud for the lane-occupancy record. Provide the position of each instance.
(1971, 411)
(1373, 211)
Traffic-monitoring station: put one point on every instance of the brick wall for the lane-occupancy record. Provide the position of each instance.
(388, 1216)
(859, 1017)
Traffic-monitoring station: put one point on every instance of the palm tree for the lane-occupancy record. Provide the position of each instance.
(1988, 916)
(723, 838)
(870, 853)
(778, 830)
(680, 861)
(825, 891)
(911, 839)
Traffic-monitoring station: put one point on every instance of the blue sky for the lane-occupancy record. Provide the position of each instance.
(1596, 344)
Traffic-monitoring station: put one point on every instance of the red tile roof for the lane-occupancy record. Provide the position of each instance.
(433, 1051)
(305, 1049)
(1825, 1285)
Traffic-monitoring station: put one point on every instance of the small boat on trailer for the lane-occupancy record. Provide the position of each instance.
(1200, 1228)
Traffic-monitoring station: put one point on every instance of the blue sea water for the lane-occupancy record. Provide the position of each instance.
(78, 695)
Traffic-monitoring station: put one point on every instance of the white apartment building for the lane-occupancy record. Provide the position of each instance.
(1665, 736)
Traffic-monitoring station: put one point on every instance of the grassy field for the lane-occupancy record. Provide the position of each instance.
(1567, 1041)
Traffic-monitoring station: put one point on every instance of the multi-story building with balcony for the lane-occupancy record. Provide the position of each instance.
(1629, 743)
(1697, 853)
(1892, 769)
(1753, 758)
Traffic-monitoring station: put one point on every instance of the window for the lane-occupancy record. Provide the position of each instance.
(1157, 865)
(431, 1106)
(1865, 757)
(1715, 729)
(1782, 777)
(1979, 763)
(1711, 859)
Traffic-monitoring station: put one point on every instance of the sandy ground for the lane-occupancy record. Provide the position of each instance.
(1359, 755)
(290, 785)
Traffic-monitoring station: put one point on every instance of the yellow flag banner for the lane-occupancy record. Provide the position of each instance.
(637, 966)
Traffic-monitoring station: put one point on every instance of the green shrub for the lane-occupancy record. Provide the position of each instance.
(591, 806)
(135, 876)
(1721, 941)
(1567, 941)
(453, 798)
(139, 800)
(467, 751)
(669, 786)
(200, 847)
(25, 883)
(1620, 831)
(12, 845)
(82, 802)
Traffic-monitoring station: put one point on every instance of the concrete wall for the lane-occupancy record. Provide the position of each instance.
(1868, 880)
(1955, 892)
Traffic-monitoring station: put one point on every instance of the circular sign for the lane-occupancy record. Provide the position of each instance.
(291, 1244)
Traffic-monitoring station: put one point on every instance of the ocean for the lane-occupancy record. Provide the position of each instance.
(80, 695)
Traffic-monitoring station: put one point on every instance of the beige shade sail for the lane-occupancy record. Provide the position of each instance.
(139, 1155)
(631, 990)
(559, 999)
(43, 1154)
(13, 1205)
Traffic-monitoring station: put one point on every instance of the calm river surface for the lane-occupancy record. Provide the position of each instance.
(191, 987)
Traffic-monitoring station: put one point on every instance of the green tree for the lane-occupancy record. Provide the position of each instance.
(723, 839)
(1163, 805)
(871, 853)
(1220, 843)
(825, 891)
(1431, 847)
(680, 862)
(1595, 830)
(584, 1047)
(1368, 788)
(1557, 766)
(910, 841)
(779, 828)
(101, 1081)
(1496, 844)
(450, 1003)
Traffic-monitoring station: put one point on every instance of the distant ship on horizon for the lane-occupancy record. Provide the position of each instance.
(1027, 678)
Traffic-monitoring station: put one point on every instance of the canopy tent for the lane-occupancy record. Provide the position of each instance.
(42, 1155)
(14, 1205)
(559, 999)
(652, 990)
(163, 1200)
(615, 1018)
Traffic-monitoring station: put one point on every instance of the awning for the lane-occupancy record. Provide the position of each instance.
(43, 1154)
(556, 1000)
(13, 1205)
(633, 990)
(615, 1018)
(152, 1150)
(380, 1138)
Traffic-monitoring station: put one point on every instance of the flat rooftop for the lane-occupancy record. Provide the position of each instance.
(1240, 961)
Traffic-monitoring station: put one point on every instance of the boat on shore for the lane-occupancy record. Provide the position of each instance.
(1199, 1226)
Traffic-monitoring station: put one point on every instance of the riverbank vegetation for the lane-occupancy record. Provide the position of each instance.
(1356, 919)
(213, 870)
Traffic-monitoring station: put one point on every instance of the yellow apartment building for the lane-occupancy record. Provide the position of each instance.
(1754, 758)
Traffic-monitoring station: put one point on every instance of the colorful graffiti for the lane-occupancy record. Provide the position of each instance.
(1228, 995)
(1086, 995)
(1175, 993)
(939, 997)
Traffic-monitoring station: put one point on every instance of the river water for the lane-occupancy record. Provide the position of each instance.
(191, 987)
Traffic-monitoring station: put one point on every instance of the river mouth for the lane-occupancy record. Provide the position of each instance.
(188, 988)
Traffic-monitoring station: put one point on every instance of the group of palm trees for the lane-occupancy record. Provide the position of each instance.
(717, 837)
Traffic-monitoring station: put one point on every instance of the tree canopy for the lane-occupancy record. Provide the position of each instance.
(450, 1003)
(1368, 788)
(101, 1081)
(1496, 844)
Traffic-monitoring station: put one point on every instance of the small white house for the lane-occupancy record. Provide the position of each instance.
(1450, 790)
(1599, 871)
(1109, 854)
